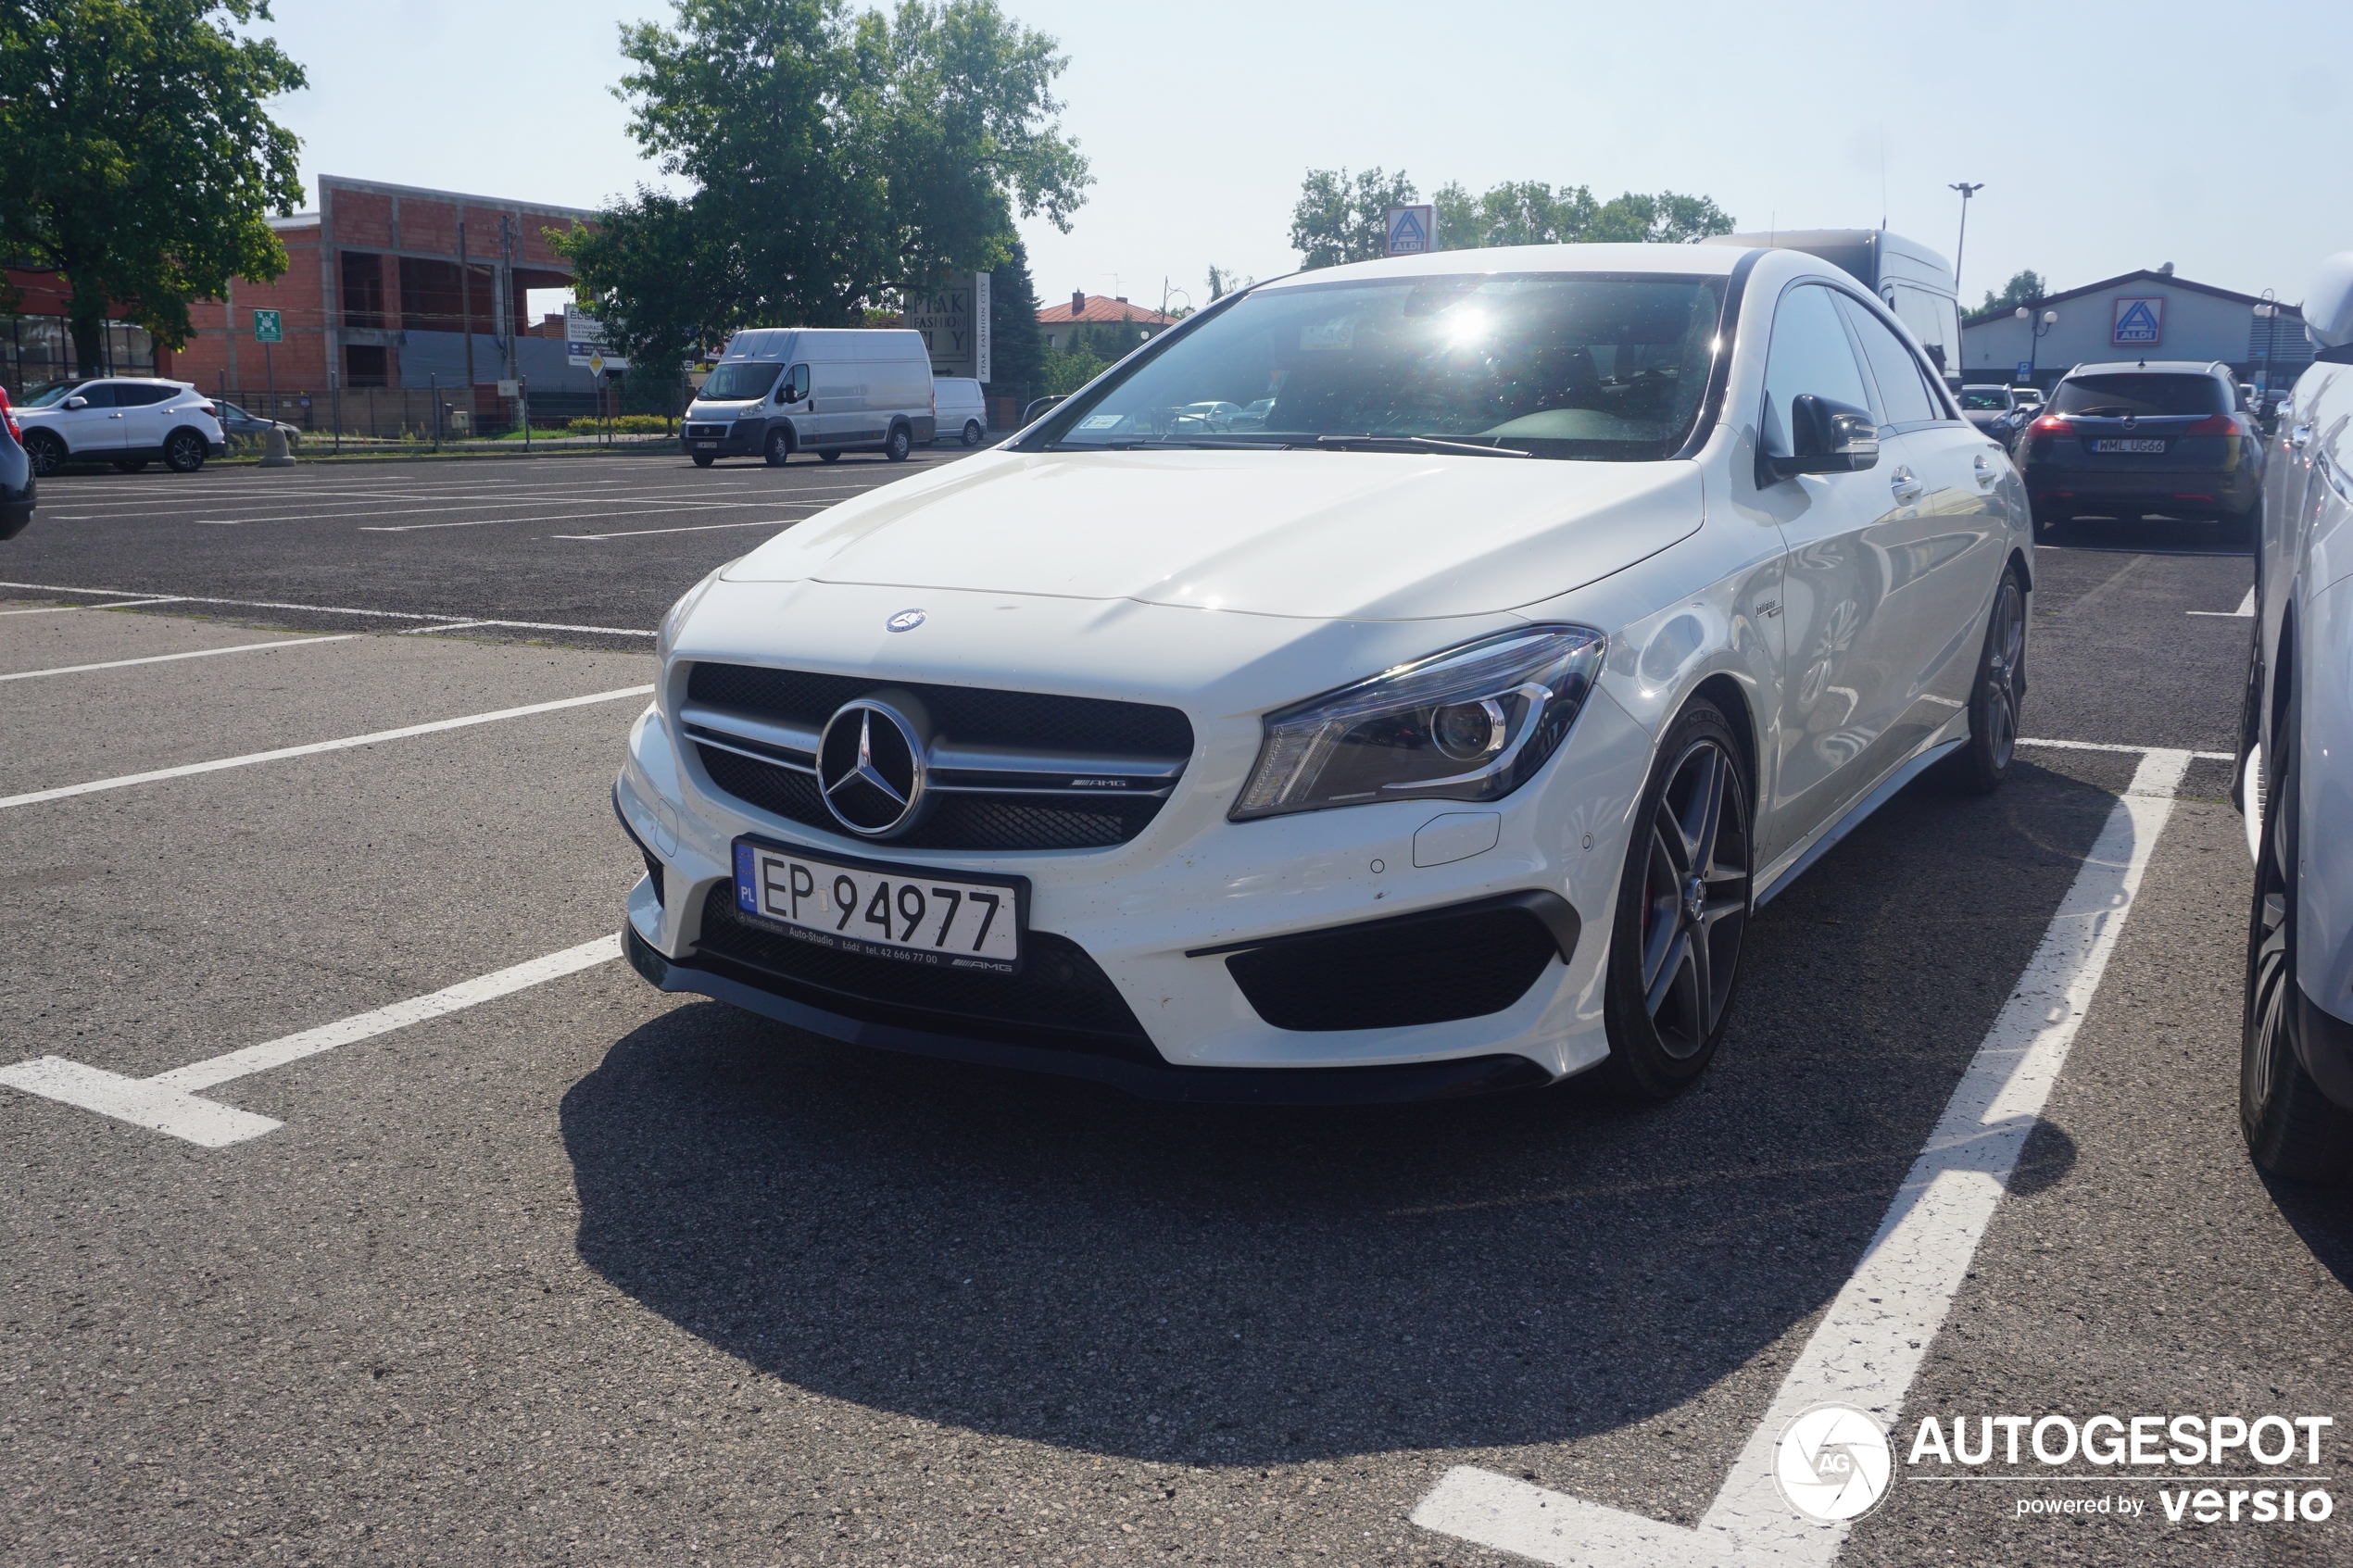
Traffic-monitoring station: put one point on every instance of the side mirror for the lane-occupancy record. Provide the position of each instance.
(1041, 406)
(2328, 304)
(1825, 437)
(77, 402)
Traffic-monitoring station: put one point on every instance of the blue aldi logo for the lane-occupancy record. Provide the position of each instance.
(2140, 323)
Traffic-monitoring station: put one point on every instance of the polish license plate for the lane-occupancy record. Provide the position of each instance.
(2107, 444)
(713, 445)
(954, 920)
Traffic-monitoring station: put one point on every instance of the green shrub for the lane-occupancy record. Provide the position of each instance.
(623, 424)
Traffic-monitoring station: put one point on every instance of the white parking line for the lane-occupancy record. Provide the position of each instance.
(560, 516)
(314, 749)
(168, 1102)
(1869, 1346)
(168, 657)
(2135, 750)
(330, 610)
(696, 528)
(59, 609)
(2245, 611)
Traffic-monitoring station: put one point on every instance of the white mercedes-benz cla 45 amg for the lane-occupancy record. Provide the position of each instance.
(1428, 717)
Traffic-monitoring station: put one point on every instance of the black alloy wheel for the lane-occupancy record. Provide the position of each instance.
(184, 451)
(1683, 905)
(46, 452)
(973, 434)
(830, 455)
(2292, 1128)
(901, 442)
(779, 449)
(1985, 758)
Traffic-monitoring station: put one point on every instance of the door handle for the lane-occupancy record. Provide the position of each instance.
(2301, 437)
(1906, 487)
(1987, 472)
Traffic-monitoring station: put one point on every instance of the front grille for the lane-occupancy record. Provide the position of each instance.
(970, 819)
(1061, 1000)
(706, 433)
(972, 715)
(1431, 969)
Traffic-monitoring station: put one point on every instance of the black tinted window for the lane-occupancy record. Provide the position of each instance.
(132, 394)
(2140, 392)
(98, 396)
(1903, 394)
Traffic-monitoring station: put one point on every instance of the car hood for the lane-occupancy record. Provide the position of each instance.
(1320, 534)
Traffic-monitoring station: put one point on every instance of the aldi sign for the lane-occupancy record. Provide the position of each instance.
(1409, 230)
(2139, 324)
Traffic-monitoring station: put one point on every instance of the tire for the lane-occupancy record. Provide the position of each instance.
(901, 443)
(974, 433)
(702, 460)
(46, 451)
(1985, 758)
(184, 451)
(2292, 1128)
(1688, 874)
(779, 449)
(830, 455)
(129, 465)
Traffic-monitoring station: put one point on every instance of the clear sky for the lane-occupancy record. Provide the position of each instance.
(2108, 136)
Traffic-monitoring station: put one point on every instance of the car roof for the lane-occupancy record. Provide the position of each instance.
(2154, 367)
(1684, 260)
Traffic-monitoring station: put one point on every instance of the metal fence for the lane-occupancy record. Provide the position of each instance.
(426, 419)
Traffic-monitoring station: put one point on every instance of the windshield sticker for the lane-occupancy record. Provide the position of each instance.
(1339, 332)
(1100, 421)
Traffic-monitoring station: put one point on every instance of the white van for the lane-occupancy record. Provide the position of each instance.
(959, 411)
(780, 390)
(1913, 282)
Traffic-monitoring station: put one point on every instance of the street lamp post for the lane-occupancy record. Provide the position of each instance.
(2269, 311)
(2035, 332)
(1960, 244)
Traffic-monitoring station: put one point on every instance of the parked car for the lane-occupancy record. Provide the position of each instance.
(780, 390)
(129, 421)
(2029, 400)
(2152, 436)
(959, 409)
(236, 421)
(2295, 1059)
(19, 488)
(1992, 410)
(1440, 734)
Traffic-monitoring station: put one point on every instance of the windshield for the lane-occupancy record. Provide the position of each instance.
(1984, 397)
(2140, 395)
(54, 393)
(1593, 367)
(740, 382)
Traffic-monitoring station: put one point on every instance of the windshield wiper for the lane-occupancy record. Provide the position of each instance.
(1420, 443)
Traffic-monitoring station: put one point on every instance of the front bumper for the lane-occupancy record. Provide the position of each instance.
(1174, 919)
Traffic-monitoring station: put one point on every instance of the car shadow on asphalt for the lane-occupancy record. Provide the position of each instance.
(1046, 1260)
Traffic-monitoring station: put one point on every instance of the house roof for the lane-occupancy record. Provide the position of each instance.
(2144, 275)
(1103, 308)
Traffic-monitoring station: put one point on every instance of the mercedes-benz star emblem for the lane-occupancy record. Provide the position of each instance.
(870, 764)
(905, 621)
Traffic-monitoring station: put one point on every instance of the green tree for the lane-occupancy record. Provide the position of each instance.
(141, 166)
(1224, 280)
(1532, 213)
(835, 157)
(2025, 287)
(1016, 351)
(1338, 219)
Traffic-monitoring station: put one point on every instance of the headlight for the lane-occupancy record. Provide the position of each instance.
(1472, 723)
(667, 637)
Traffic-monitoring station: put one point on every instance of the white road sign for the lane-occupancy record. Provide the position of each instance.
(584, 343)
(1410, 231)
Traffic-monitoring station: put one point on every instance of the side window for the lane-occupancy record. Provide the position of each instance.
(134, 395)
(1810, 353)
(98, 395)
(1904, 395)
(1930, 316)
(795, 386)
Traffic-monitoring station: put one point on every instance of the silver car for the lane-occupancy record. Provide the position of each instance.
(2296, 1073)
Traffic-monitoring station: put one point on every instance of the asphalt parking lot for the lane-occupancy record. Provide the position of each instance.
(533, 1264)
